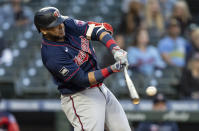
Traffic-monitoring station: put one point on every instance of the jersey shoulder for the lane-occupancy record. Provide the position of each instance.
(74, 23)
(69, 20)
(53, 54)
(58, 52)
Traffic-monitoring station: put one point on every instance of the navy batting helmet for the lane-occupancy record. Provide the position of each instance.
(47, 17)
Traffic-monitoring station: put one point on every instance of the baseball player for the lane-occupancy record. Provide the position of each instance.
(70, 58)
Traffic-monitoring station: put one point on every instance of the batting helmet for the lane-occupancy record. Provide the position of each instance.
(47, 17)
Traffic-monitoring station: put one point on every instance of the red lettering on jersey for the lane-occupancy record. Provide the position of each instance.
(83, 53)
(79, 22)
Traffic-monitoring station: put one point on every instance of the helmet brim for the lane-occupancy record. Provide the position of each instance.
(59, 20)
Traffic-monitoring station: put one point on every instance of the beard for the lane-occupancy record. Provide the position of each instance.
(53, 37)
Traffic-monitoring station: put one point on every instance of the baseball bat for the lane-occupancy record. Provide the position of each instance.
(133, 93)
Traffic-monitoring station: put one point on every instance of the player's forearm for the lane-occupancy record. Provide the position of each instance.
(98, 76)
(92, 78)
(101, 32)
(107, 40)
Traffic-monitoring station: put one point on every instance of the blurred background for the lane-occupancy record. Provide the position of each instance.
(162, 40)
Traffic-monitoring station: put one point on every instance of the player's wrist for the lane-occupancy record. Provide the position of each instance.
(106, 71)
(110, 70)
(115, 49)
(100, 75)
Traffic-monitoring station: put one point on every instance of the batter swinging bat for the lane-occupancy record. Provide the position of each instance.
(133, 93)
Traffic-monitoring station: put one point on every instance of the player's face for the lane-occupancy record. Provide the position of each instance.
(55, 33)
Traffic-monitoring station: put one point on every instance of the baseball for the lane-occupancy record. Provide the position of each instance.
(151, 90)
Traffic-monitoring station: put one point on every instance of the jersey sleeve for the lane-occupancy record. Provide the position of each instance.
(90, 30)
(77, 26)
(63, 67)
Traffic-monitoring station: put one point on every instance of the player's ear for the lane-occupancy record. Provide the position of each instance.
(43, 31)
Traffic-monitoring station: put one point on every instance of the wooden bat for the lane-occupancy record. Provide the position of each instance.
(133, 93)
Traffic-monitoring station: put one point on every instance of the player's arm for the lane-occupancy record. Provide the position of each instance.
(92, 31)
(68, 71)
(97, 31)
(97, 76)
(103, 33)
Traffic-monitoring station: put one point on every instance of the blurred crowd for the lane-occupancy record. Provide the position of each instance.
(161, 37)
(13, 14)
(162, 40)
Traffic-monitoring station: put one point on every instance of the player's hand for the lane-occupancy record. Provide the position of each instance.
(120, 55)
(118, 66)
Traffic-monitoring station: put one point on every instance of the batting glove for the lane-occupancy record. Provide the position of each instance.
(117, 67)
(120, 55)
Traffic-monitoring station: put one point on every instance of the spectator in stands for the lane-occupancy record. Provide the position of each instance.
(125, 4)
(167, 6)
(143, 57)
(130, 21)
(172, 47)
(7, 121)
(154, 20)
(182, 14)
(15, 14)
(189, 84)
(5, 53)
(193, 46)
(159, 104)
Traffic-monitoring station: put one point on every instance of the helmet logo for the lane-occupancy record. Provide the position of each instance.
(56, 14)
